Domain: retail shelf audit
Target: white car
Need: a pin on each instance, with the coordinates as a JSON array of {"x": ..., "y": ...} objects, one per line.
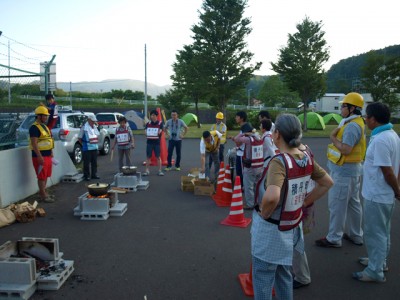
[{"x": 109, "y": 121}]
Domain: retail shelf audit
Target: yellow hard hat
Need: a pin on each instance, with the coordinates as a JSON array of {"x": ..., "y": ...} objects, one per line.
[
  {"x": 41, "y": 110},
  {"x": 354, "y": 99},
  {"x": 219, "y": 115}
]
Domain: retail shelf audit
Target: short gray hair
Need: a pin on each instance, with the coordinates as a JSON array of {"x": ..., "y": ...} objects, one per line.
[{"x": 289, "y": 127}]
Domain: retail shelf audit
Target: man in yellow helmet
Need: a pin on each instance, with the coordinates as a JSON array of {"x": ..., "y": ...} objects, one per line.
[
  {"x": 42, "y": 144},
  {"x": 345, "y": 155},
  {"x": 221, "y": 128}
]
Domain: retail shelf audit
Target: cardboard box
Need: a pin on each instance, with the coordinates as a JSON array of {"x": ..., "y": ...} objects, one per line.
[
  {"x": 187, "y": 184},
  {"x": 202, "y": 187},
  {"x": 194, "y": 172}
]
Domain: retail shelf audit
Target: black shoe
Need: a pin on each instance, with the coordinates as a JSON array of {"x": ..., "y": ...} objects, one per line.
[
  {"x": 297, "y": 285},
  {"x": 86, "y": 178},
  {"x": 95, "y": 177}
]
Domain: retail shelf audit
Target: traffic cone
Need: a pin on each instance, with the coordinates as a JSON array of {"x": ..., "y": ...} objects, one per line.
[
  {"x": 220, "y": 182},
  {"x": 226, "y": 198},
  {"x": 163, "y": 147},
  {"x": 236, "y": 214},
  {"x": 246, "y": 282}
]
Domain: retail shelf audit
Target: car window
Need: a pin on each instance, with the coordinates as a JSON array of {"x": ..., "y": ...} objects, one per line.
[
  {"x": 28, "y": 122},
  {"x": 80, "y": 120},
  {"x": 70, "y": 122},
  {"x": 5, "y": 126},
  {"x": 105, "y": 118}
]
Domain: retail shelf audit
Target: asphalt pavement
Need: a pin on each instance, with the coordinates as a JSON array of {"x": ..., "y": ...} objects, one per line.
[{"x": 170, "y": 244}]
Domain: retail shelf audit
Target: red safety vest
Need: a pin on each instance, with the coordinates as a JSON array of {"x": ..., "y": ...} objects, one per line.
[
  {"x": 256, "y": 152},
  {"x": 122, "y": 135},
  {"x": 152, "y": 130},
  {"x": 294, "y": 190}
]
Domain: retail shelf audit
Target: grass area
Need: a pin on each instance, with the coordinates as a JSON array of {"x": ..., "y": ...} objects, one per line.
[{"x": 195, "y": 132}]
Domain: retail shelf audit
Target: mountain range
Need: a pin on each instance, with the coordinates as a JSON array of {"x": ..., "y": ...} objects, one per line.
[{"x": 113, "y": 84}]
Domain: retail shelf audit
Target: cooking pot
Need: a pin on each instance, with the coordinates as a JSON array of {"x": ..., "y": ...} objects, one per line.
[
  {"x": 98, "y": 189},
  {"x": 129, "y": 170}
]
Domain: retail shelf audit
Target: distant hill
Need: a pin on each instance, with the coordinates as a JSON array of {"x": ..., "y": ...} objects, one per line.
[
  {"x": 345, "y": 75},
  {"x": 113, "y": 84}
]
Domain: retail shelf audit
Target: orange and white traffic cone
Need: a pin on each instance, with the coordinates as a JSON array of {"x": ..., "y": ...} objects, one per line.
[
  {"x": 246, "y": 282},
  {"x": 236, "y": 214},
  {"x": 226, "y": 198},
  {"x": 220, "y": 182}
]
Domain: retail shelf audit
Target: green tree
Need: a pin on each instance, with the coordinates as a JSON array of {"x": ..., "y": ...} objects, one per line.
[
  {"x": 172, "y": 99},
  {"x": 300, "y": 62},
  {"x": 187, "y": 78},
  {"x": 381, "y": 78},
  {"x": 219, "y": 42},
  {"x": 275, "y": 92}
]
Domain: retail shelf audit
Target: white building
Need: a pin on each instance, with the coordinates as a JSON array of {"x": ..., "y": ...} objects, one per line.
[{"x": 330, "y": 102}]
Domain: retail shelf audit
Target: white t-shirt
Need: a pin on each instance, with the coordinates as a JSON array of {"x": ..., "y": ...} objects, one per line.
[
  {"x": 383, "y": 151},
  {"x": 203, "y": 145}
]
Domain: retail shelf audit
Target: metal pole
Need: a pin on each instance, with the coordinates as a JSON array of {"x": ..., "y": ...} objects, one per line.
[
  {"x": 70, "y": 94},
  {"x": 9, "y": 74},
  {"x": 145, "y": 81},
  {"x": 248, "y": 97}
]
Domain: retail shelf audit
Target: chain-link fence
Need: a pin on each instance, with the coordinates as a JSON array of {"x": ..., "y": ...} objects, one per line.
[{"x": 20, "y": 74}]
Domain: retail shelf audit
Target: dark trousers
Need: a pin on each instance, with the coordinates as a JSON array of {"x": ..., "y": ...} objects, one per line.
[
  {"x": 178, "y": 146},
  {"x": 239, "y": 169},
  {"x": 89, "y": 162},
  {"x": 221, "y": 155}
]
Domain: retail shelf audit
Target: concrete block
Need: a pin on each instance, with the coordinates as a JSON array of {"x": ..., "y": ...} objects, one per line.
[
  {"x": 19, "y": 271},
  {"x": 50, "y": 243},
  {"x": 72, "y": 179},
  {"x": 54, "y": 280},
  {"x": 17, "y": 291},
  {"x": 127, "y": 182},
  {"x": 8, "y": 249},
  {"x": 94, "y": 216},
  {"x": 118, "y": 210},
  {"x": 95, "y": 205},
  {"x": 143, "y": 185}
]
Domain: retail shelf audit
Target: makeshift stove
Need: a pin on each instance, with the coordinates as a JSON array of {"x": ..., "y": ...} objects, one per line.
[
  {"x": 130, "y": 182},
  {"x": 99, "y": 207},
  {"x": 29, "y": 264}
]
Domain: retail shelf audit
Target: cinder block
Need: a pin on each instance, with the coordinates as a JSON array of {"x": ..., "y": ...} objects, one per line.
[
  {"x": 50, "y": 243},
  {"x": 56, "y": 279},
  {"x": 18, "y": 271},
  {"x": 126, "y": 182},
  {"x": 8, "y": 249},
  {"x": 95, "y": 205},
  {"x": 118, "y": 210},
  {"x": 143, "y": 185},
  {"x": 94, "y": 217},
  {"x": 73, "y": 179},
  {"x": 17, "y": 291}
]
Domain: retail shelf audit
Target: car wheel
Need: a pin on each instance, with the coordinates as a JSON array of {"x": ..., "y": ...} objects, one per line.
[
  {"x": 77, "y": 154},
  {"x": 106, "y": 147}
]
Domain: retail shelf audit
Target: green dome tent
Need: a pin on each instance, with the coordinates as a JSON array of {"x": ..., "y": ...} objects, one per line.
[
  {"x": 332, "y": 119},
  {"x": 314, "y": 121},
  {"x": 189, "y": 118}
]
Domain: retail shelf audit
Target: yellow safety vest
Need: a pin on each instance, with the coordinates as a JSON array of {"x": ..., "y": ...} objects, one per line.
[
  {"x": 218, "y": 127},
  {"x": 356, "y": 155},
  {"x": 212, "y": 147},
  {"x": 45, "y": 140}
]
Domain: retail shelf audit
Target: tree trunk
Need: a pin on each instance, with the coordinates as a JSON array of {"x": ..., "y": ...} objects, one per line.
[
  {"x": 305, "y": 115},
  {"x": 196, "y": 105}
]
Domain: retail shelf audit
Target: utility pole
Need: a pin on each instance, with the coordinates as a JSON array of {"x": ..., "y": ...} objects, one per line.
[
  {"x": 248, "y": 97},
  {"x": 145, "y": 81},
  {"x": 9, "y": 74},
  {"x": 70, "y": 94}
]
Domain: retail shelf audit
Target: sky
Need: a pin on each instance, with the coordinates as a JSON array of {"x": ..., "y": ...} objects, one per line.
[{"x": 103, "y": 39}]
